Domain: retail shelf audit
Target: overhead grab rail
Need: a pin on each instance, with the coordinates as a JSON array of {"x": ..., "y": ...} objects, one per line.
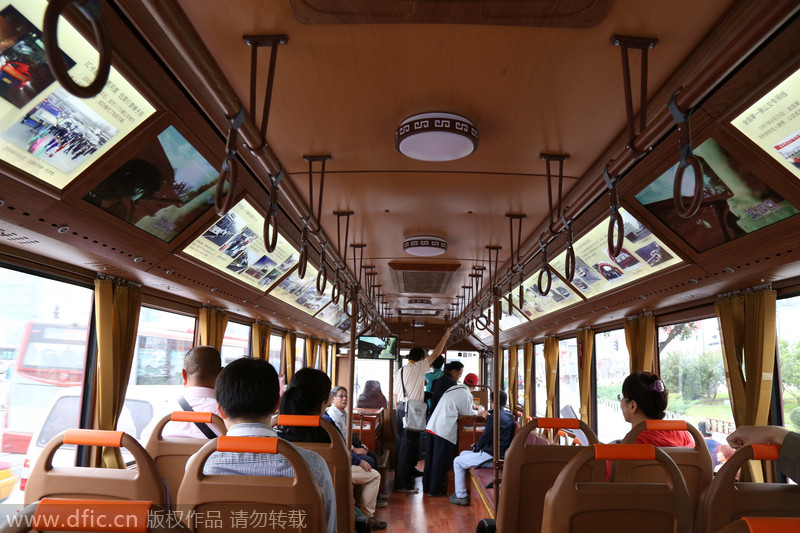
[
  {"x": 92, "y": 10},
  {"x": 351, "y": 306},
  {"x": 687, "y": 159},
  {"x": 341, "y": 249},
  {"x": 550, "y": 158},
  {"x": 255, "y": 42},
  {"x": 223, "y": 201},
  {"x": 643, "y": 44}
]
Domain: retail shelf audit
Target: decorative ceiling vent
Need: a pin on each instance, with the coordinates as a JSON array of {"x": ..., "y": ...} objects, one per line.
[
  {"x": 419, "y": 301},
  {"x": 418, "y": 312},
  {"x": 422, "y": 278},
  {"x": 536, "y": 13}
]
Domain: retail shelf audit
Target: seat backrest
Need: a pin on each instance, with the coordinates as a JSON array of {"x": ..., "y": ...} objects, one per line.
[
  {"x": 529, "y": 470},
  {"x": 576, "y": 507},
  {"x": 763, "y": 524},
  {"x": 694, "y": 463},
  {"x": 142, "y": 483},
  {"x": 338, "y": 460},
  {"x": 727, "y": 500},
  {"x": 170, "y": 454},
  {"x": 62, "y": 514},
  {"x": 288, "y": 503}
]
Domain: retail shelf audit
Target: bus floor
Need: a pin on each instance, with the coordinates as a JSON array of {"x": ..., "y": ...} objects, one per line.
[{"x": 412, "y": 513}]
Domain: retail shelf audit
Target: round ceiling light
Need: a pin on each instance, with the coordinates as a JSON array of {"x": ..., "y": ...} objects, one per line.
[
  {"x": 425, "y": 246},
  {"x": 436, "y": 137}
]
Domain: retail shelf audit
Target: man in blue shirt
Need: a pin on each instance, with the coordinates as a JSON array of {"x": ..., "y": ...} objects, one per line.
[{"x": 483, "y": 450}]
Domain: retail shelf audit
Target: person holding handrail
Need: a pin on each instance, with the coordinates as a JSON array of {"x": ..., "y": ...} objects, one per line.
[{"x": 789, "y": 458}]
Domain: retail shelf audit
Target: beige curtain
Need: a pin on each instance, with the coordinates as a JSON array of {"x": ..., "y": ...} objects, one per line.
[
  {"x": 117, "y": 308},
  {"x": 311, "y": 355},
  {"x": 640, "y": 336},
  {"x": 585, "y": 348},
  {"x": 261, "y": 335},
  {"x": 323, "y": 353},
  {"x": 334, "y": 359},
  {"x": 551, "y": 373},
  {"x": 212, "y": 326},
  {"x": 513, "y": 401},
  {"x": 528, "y": 379},
  {"x": 747, "y": 325},
  {"x": 289, "y": 356}
]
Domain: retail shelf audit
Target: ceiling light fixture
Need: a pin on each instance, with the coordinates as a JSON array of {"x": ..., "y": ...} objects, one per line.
[
  {"x": 425, "y": 246},
  {"x": 436, "y": 137}
]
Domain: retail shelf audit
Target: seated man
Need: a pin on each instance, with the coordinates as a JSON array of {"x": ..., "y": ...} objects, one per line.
[
  {"x": 201, "y": 366},
  {"x": 482, "y": 451},
  {"x": 247, "y": 393},
  {"x": 337, "y": 415}
]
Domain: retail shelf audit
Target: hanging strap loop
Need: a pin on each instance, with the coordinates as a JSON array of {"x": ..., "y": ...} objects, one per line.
[
  {"x": 544, "y": 289},
  {"x": 223, "y": 201},
  {"x": 271, "y": 218},
  {"x": 322, "y": 275},
  {"x": 569, "y": 260},
  {"x": 615, "y": 218},
  {"x": 687, "y": 159},
  {"x": 92, "y": 10}
]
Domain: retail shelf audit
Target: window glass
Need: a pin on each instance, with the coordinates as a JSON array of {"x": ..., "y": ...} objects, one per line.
[
  {"x": 504, "y": 376},
  {"x": 540, "y": 390},
  {"x": 693, "y": 371},
  {"x": 299, "y": 353},
  {"x": 612, "y": 364},
  {"x": 789, "y": 360},
  {"x": 162, "y": 341},
  {"x": 236, "y": 342},
  {"x": 44, "y": 327},
  {"x": 568, "y": 389},
  {"x": 471, "y": 361},
  {"x": 521, "y": 375},
  {"x": 370, "y": 370},
  {"x": 275, "y": 351}
]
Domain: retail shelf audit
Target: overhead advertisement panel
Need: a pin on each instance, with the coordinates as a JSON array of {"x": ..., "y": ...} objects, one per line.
[
  {"x": 302, "y": 293},
  {"x": 235, "y": 245},
  {"x": 537, "y": 305},
  {"x": 773, "y": 123},
  {"x": 162, "y": 189},
  {"x": 45, "y": 131},
  {"x": 735, "y": 200},
  {"x": 597, "y": 272},
  {"x": 334, "y": 314}
]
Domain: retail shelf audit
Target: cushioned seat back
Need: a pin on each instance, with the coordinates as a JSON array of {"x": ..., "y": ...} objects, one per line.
[
  {"x": 279, "y": 503},
  {"x": 338, "y": 460},
  {"x": 572, "y": 506},
  {"x": 694, "y": 463},
  {"x": 170, "y": 454},
  {"x": 60, "y": 514},
  {"x": 727, "y": 500},
  {"x": 142, "y": 483},
  {"x": 529, "y": 470}
]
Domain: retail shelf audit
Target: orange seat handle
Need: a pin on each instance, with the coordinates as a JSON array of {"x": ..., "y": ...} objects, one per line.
[
  {"x": 94, "y": 437},
  {"x": 192, "y": 416},
  {"x": 299, "y": 420},
  {"x": 248, "y": 444},
  {"x": 65, "y": 514},
  {"x": 764, "y": 524},
  {"x": 665, "y": 425},
  {"x": 766, "y": 452},
  {"x": 555, "y": 423},
  {"x": 630, "y": 452}
]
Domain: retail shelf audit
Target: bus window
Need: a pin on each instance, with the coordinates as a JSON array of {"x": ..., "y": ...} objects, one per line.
[
  {"x": 521, "y": 375},
  {"x": 540, "y": 390},
  {"x": 275, "y": 350},
  {"x": 162, "y": 341},
  {"x": 568, "y": 391},
  {"x": 612, "y": 365},
  {"x": 236, "y": 342},
  {"x": 299, "y": 353},
  {"x": 690, "y": 357},
  {"x": 788, "y": 311},
  {"x": 44, "y": 326},
  {"x": 370, "y": 369},
  {"x": 504, "y": 376}
]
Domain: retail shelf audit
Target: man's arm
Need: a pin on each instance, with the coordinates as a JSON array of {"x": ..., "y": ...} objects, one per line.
[
  {"x": 438, "y": 348},
  {"x": 745, "y": 435}
]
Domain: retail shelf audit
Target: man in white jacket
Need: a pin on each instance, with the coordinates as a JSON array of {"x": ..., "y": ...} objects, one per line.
[{"x": 443, "y": 427}]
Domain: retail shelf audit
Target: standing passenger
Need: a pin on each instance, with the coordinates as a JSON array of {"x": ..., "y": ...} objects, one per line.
[
  {"x": 412, "y": 376},
  {"x": 443, "y": 429},
  {"x": 247, "y": 393},
  {"x": 452, "y": 373}
]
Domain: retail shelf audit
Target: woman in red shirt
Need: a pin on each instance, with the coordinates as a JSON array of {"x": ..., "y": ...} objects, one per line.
[{"x": 644, "y": 397}]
